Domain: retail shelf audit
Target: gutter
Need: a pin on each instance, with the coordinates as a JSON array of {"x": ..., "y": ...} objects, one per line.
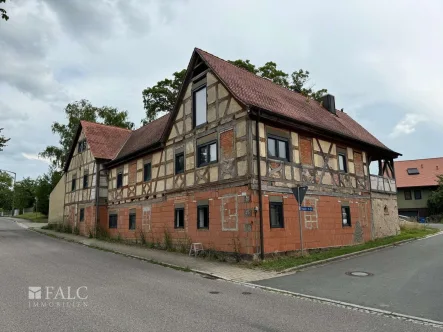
[{"x": 260, "y": 194}]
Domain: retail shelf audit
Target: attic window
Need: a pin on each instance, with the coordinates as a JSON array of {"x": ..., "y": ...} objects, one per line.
[
  {"x": 413, "y": 171},
  {"x": 81, "y": 146}
]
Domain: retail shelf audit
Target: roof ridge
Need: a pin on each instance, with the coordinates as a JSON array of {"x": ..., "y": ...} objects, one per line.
[
  {"x": 168, "y": 113},
  {"x": 399, "y": 161},
  {"x": 255, "y": 75},
  {"x": 105, "y": 125}
]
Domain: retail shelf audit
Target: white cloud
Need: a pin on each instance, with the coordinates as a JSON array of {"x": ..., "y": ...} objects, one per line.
[
  {"x": 407, "y": 125},
  {"x": 36, "y": 157}
]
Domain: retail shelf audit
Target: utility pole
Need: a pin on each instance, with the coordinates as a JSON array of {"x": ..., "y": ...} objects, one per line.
[{"x": 13, "y": 189}]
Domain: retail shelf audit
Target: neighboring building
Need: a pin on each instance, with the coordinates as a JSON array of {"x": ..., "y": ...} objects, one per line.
[
  {"x": 224, "y": 161},
  {"x": 56, "y": 201},
  {"x": 416, "y": 179}
]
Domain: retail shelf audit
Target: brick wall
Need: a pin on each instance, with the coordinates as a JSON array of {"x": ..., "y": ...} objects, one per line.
[
  {"x": 306, "y": 151},
  {"x": 227, "y": 144}
]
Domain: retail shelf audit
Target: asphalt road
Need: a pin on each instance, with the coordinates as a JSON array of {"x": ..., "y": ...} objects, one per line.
[
  {"x": 407, "y": 279},
  {"x": 125, "y": 294}
]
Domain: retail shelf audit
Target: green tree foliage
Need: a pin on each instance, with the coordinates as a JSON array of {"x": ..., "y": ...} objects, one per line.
[
  {"x": 161, "y": 97},
  {"x": 3, "y": 140},
  {"x": 24, "y": 194},
  {"x": 43, "y": 187},
  {"x": 81, "y": 110},
  {"x": 5, "y": 191},
  {"x": 3, "y": 12},
  {"x": 435, "y": 201}
]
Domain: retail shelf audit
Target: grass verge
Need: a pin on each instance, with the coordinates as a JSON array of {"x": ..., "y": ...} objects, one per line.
[
  {"x": 285, "y": 262},
  {"x": 33, "y": 216}
]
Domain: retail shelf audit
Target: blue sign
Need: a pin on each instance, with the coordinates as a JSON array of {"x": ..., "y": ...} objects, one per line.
[{"x": 306, "y": 208}]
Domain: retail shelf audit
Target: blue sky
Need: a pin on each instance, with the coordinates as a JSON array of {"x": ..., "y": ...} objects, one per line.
[{"x": 381, "y": 60}]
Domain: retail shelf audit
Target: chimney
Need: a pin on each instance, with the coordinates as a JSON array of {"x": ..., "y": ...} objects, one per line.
[{"x": 328, "y": 102}]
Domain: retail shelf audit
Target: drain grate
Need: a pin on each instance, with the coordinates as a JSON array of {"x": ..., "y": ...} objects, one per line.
[
  {"x": 359, "y": 274},
  {"x": 214, "y": 292},
  {"x": 246, "y": 293}
]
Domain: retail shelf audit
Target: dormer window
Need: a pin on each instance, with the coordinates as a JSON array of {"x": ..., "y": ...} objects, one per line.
[{"x": 413, "y": 171}]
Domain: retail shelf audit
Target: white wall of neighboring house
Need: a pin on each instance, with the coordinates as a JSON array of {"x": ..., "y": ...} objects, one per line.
[{"x": 56, "y": 202}]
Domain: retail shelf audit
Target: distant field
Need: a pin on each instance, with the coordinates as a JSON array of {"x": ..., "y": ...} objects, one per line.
[{"x": 33, "y": 216}]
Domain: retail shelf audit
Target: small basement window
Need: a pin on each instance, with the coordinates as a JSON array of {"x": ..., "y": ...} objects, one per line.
[
  {"x": 207, "y": 154},
  {"x": 346, "y": 216},
  {"x": 278, "y": 148},
  {"x": 413, "y": 171}
]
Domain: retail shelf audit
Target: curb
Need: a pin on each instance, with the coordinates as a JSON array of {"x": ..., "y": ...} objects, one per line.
[
  {"x": 345, "y": 305},
  {"x": 357, "y": 253}
]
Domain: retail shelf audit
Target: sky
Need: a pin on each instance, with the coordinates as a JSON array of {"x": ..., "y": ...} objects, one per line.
[{"x": 380, "y": 59}]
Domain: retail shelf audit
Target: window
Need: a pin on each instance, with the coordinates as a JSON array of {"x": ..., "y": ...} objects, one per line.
[
  {"x": 179, "y": 221},
  {"x": 346, "y": 216},
  {"x": 112, "y": 221},
  {"x": 278, "y": 148},
  {"x": 417, "y": 194},
  {"x": 85, "y": 180},
  {"x": 203, "y": 216},
  {"x": 119, "y": 178},
  {"x": 276, "y": 214},
  {"x": 74, "y": 182},
  {"x": 413, "y": 171},
  {"x": 147, "y": 172},
  {"x": 132, "y": 219},
  {"x": 82, "y": 214},
  {"x": 207, "y": 154},
  {"x": 179, "y": 163},
  {"x": 81, "y": 146},
  {"x": 342, "y": 164},
  {"x": 200, "y": 106},
  {"x": 408, "y": 195}
]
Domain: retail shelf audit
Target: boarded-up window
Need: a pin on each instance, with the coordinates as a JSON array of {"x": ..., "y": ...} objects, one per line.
[
  {"x": 132, "y": 172},
  {"x": 358, "y": 162},
  {"x": 306, "y": 151}
]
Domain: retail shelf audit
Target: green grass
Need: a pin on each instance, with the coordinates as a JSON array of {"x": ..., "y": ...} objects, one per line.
[
  {"x": 34, "y": 217},
  {"x": 285, "y": 262}
]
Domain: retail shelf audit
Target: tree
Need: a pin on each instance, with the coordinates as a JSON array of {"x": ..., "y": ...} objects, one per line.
[
  {"x": 161, "y": 97},
  {"x": 43, "y": 187},
  {"x": 435, "y": 200},
  {"x": 3, "y": 140},
  {"x": 5, "y": 191},
  {"x": 3, "y": 12},
  {"x": 81, "y": 110},
  {"x": 24, "y": 194}
]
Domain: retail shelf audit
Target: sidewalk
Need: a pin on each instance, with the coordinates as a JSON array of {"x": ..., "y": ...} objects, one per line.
[{"x": 218, "y": 269}]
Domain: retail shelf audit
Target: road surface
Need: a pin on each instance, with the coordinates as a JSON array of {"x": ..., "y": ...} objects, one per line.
[{"x": 117, "y": 293}]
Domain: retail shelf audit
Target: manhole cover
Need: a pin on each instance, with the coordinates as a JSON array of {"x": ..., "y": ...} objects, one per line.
[
  {"x": 359, "y": 274},
  {"x": 246, "y": 293},
  {"x": 214, "y": 292}
]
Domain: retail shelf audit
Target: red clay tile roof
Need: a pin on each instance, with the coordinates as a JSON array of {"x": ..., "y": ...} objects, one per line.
[
  {"x": 428, "y": 168},
  {"x": 144, "y": 136},
  {"x": 253, "y": 90},
  {"x": 104, "y": 141}
]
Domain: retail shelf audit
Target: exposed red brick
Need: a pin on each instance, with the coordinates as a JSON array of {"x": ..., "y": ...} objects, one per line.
[
  {"x": 227, "y": 144},
  {"x": 358, "y": 163},
  {"x": 306, "y": 151}
]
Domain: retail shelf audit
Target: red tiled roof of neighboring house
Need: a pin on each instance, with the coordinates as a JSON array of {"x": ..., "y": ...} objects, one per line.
[
  {"x": 104, "y": 141},
  {"x": 428, "y": 170},
  {"x": 144, "y": 136},
  {"x": 253, "y": 90}
]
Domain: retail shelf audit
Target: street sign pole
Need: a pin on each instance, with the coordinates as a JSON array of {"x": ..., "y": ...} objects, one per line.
[{"x": 299, "y": 220}]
